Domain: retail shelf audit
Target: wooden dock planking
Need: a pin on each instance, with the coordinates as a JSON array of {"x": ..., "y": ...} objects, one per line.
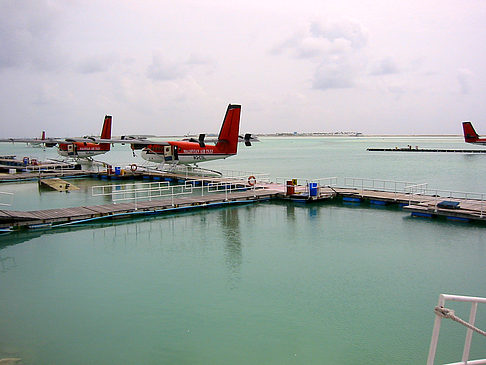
[
  {"x": 468, "y": 208},
  {"x": 19, "y": 219},
  {"x": 26, "y": 176},
  {"x": 58, "y": 184},
  {"x": 448, "y": 150}
]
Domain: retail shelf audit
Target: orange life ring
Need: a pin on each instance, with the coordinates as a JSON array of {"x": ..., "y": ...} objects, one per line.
[
  {"x": 133, "y": 167},
  {"x": 251, "y": 180}
]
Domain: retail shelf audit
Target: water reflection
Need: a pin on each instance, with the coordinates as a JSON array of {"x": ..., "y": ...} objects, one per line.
[
  {"x": 291, "y": 212},
  {"x": 7, "y": 263},
  {"x": 230, "y": 227}
]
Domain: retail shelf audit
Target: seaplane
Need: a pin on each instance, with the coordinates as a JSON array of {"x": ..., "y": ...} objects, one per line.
[
  {"x": 86, "y": 147},
  {"x": 190, "y": 151},
  {"x": 77, "y": 148},
  {"x": 470, "y": 135},
  {"x": 40, "y": 142}
]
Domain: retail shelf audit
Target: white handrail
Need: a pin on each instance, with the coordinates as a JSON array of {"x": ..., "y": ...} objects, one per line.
[
  {"x": 163, "y": 189},
  {"x": 472, "y": 318}
]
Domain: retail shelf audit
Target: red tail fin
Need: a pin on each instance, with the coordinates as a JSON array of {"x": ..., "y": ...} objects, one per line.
[
  {"x": 470, "y": 134},
  {"x": 228, "y": 136},
  {"x": 106, "y": 132}
]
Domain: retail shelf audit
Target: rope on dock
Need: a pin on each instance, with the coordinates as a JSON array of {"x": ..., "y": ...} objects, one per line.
[{"x": 449, "y": 313}]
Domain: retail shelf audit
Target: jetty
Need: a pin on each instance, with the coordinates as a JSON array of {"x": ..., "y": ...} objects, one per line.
[
  {"x": 67, "y": 216},
  {"x": 170, "y": 192},
  {"x": 417, "y": 149}
]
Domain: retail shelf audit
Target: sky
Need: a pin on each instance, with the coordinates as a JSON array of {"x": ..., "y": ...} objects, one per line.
[{"x": 172, "y": 67}]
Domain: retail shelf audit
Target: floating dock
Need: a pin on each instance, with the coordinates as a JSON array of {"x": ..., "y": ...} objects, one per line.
[
  {"x": 57, "y": 184},
  {"x": 416, "y": 149},
  {"x": 67, "y": 216},
  {"x": 417, "y": 199}
]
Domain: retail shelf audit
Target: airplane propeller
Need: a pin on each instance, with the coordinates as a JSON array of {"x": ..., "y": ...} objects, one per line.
[
  {"x": 201, "y": 140},
  {"x": 247, "y": 139}
]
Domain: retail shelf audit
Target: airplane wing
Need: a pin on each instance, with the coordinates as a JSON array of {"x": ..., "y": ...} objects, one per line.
[
  {"x": 135, "y": 141},
  {"x": 32, "y": 140}
]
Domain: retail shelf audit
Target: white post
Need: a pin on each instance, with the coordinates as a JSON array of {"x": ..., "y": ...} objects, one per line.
[
  {"x": 435, "y": 334},
  {"x": 469, "y": 333}
]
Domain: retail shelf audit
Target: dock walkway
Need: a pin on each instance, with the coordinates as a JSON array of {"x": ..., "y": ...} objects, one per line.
[
  {"x": 63, "y": 216},
  {"x": 233, "y": 191}
]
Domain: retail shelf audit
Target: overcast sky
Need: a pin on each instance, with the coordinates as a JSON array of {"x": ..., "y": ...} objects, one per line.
[{"x": 172, "y": 67}]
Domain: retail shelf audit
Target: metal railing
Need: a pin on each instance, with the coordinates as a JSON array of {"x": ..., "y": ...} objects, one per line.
[
  {"x": 477, "y": 201},
  {"x": 378, "y": 184},
  {"x": 6, "y": 199},
  {"x": 303, "y": 184},
  {"x": 472, "y": 318},
  {"x": 160, "y": 190}
]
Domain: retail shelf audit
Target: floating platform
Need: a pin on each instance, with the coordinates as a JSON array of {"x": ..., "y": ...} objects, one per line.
[
  {"x": 415, "y": 149},
  {"x": 9, "y": 163},
  {"x": 67, "y": 216},
  {"x": 58, "y": 184},
  {"x": 236, "y": 191}
]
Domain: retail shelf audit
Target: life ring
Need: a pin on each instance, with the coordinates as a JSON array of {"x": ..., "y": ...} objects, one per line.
[
  {"x": 251, "y": 180},
  {"x": 133, "y": 167}
]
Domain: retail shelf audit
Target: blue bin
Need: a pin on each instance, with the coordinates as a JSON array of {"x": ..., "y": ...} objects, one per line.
[
  {"x": 312, "y": 189},
  {"x": 117, "y": 170}
]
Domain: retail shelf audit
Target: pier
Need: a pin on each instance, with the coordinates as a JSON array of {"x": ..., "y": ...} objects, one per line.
[
  {"x": 169, "y": 192},
  {"x": 76, "y": 215},
  {"x": 417, "y": 149}
]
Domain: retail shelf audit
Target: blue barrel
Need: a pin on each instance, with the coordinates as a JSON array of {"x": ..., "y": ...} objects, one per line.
[
  {"x": 313, "y": 189},
  {"x": 117, "y": 170}
]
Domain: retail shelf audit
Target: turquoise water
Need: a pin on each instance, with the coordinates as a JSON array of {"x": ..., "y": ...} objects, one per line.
[{"x": 269, "y": 283}]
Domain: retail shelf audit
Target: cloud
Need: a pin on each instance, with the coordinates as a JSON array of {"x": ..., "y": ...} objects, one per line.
[
  {"x": 334, "y": 48},
  {"x": 95, "y": 64},
  {"x": 320, "y": 39},
  {"x": 336, "y": 32},
  {"x": 162, "y": 69},
  {"x": 464, "y": 77},
  {"x": 334, "y": 73},
  {"x": 385, "y": 66},
  {"x": 27, "y": 34}
]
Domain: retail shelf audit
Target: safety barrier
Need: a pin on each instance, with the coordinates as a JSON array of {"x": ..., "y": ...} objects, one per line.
[
  {"x": 163, "y": 189},
  {"x": 442, "y": 312}
]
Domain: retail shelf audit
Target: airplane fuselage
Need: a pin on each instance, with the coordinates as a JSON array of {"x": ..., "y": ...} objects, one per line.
[
  {"x": 183, "y": 153},
  {"x": 82, "y": 150},
  {"x": 481, "y": 142}
]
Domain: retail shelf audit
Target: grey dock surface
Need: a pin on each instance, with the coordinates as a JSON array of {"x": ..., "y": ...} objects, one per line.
[
  {"x": 417, "y": 204},
  {"x": 62, "y": 216},
  {"x": 425, "y": 150},
  {"x": 57, "y": 184}
]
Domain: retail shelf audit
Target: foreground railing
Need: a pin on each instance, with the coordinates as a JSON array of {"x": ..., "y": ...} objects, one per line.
[{"x": 442, "y": 312}]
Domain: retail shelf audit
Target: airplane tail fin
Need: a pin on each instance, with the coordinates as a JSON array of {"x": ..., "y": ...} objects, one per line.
[
  {"x": 470, "y": 134},
  {"x": 228, "y": 136},
  {"x": 106, "y": 131}
]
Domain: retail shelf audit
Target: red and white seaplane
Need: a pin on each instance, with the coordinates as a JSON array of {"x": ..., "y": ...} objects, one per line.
[
  {"x": 86, "y": 147},
  {"x": 191, "y": 151},
  {"x": 470, "y": 135},
  {"x": 83, "y": 147}
]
